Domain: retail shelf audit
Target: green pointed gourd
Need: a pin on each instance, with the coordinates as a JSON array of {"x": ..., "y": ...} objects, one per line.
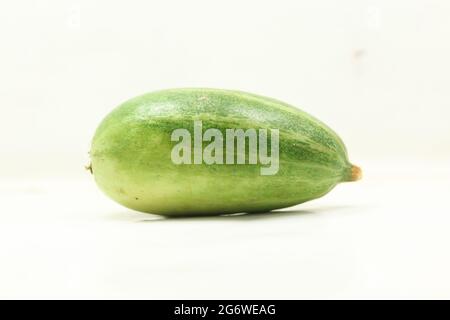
[{"x": 140, "y": 160}]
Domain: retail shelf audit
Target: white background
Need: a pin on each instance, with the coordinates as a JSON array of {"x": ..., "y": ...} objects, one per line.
[{"x": 377, "y": 72}]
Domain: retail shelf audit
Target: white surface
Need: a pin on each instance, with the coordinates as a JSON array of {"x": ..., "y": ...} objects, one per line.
[
  {"x": 384, "y": 237},
  {"x": 376, "y": 71}
]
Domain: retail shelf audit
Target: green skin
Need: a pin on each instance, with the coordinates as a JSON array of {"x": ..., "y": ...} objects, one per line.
[{"x": 131, "y": 155}]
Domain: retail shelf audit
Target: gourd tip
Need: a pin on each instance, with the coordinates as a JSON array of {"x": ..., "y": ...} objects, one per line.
[
  {"x": 356, "y": 173},
  {"x": 89, "y": 168}
]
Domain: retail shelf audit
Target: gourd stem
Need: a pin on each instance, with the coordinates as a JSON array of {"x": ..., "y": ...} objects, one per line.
[{"x": 356, "y": 173}]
